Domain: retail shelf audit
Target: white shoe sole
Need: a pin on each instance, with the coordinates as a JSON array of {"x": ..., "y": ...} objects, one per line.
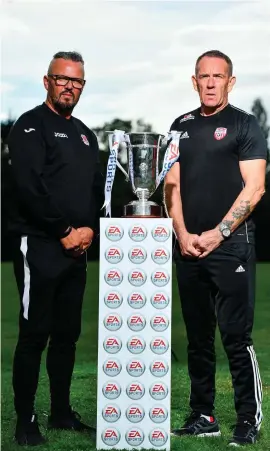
[
  {"x": 209, "y": 434},
  {"x": 205, "y": 434}
]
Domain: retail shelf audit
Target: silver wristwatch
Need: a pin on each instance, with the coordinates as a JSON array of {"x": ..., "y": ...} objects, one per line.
[{"x": 224, "y": 230}]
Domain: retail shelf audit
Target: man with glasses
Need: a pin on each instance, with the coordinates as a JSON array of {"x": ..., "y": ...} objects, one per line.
[{"x": 56, "y": 193}]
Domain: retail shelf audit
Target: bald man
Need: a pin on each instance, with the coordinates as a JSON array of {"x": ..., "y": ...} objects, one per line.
[{"x": 56, "y": 181}]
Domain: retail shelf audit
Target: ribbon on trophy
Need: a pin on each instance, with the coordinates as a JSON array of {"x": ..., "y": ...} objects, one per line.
[
  {"x": 130, "y": 164},
  {"x": 171, "y": 141},
  {"x": 115, "y": 140}
]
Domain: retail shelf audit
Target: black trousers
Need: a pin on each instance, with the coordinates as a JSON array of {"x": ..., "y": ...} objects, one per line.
[
  {"x": 51, "y": 287},
  {"x": 221, "y": 289}
]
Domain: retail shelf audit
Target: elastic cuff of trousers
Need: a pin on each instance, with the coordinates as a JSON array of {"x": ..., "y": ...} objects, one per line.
[
  {"x": 24, "y": 415},
  {"x": 60, "y": 411},
  {"x": 250, "y": 418},
  {"x": 203, "y": 411}
]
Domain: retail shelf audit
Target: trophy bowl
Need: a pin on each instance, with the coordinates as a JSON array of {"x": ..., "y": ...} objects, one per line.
[
  {"x": 143, "y": 169},
  {"x": 149, "y": 157}
]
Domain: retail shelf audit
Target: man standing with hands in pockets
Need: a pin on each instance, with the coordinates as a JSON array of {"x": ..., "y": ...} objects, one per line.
[
  {"x": 56, "y": 197},
  {"x": 210, "y": 193}
]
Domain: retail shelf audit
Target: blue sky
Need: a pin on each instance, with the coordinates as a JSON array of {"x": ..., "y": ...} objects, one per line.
[{"x": 139, "y": 55}]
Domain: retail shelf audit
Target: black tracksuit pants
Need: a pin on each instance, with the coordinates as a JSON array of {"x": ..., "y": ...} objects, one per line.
[
  {"x": 51, "y": 287},
  {"x": 221, "y": 289}
]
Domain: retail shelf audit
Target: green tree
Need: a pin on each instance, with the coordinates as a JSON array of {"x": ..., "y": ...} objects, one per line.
[
  {"x": 141, "y": 126},
  {"x": 5, "y": 129},
  {"x": 120, "y": 124},
  {"x": 115, "y": 124}
]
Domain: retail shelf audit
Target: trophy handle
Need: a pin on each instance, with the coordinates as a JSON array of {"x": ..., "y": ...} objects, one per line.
[
  {"x": 171, "y": 155},
  {"x": 163, "y": 142},
  {"x": 123, "y": 170},
  {"x": 117, "y": 161},
  {"x": 157, "y": 158}
]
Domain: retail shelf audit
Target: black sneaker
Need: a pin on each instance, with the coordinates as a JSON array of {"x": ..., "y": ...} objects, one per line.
[
  {"x": 244, "y": 433},
  {"x": 199, "y": 425},
  {"x": 72, "y": 421},
  {"x": 27, "y": 432}
]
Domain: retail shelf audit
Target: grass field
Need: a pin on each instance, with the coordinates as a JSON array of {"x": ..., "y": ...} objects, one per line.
[{"x": 85, "y": 377}]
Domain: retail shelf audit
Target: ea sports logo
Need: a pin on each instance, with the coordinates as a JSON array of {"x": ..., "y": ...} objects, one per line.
[
  {"x": 137, "y": 277},
  {"x": 113, "y": 299},
  {"x": 112, "y": 322},
  {"x": 112, "y": 345},
  {"x": 111, "y": 436},
  {"x": 160, "y": 277},
  {"x": 135, "y": 413},
  {"x": 160, "y": 255},
  {"x": 160, "y": 233},
  {"x": 158, "y": 437},
  {"x": 159, "y": 368},
  {"x": 114, "y": 254},
  {"x": 136, "y": 299},
  {"x": 135, "y": 390},
  {"x": 159, "y": 345},
  {"x": 111, "y": 390},
  {"x": 113, "y": 277},
  {"x": 158, "y": 391},
  {"x": 136, "y": 345},
  {"x": 114, "y": 232},
  {"x": 137, "y": 254},
  {"x": 158, "y": 414},
  {"x": 111, "y": 413},
  {"x": 136, "y": 322},
  {"x": 137, "y": 232},
  {"x": 112, "y": 367},
  {"x": 135, "y": 367},
  {"x": 159, "y": 323},
  {"x": 160, "y": 300},
  {"x": 134, "y": 437}
]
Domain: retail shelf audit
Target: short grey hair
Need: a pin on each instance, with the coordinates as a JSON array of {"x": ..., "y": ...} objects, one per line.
[
  {"x": 71, "y": 56},
  {"x": 215, "y": 54}
]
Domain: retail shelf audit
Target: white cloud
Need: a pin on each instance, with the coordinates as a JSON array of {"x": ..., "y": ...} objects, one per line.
[
  {"x": 6, "y": 87},
  {"x": 11, "y": 25},
  {"x": 3, "y": 116},
  {"x": 139, "y": 55}
]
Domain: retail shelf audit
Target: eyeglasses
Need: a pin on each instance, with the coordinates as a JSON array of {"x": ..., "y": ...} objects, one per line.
[{"x": 62, "y": 80}]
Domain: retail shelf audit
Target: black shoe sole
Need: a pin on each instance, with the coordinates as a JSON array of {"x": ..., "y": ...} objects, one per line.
[
  {"x": 26, "y": 442},
  {"x": 90, "y": 429}
]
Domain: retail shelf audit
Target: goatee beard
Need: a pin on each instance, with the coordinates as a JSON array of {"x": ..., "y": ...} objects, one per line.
[{"x": 63, "y": 107}]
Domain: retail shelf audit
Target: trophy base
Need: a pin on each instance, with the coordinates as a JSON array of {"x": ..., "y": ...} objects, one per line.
[{"x": 139, "y": 208}]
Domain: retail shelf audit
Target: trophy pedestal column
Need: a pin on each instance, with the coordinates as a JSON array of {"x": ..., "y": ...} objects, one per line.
[
  {"x": 143, "y": 209},
  {"x": 135, "y": 293}
]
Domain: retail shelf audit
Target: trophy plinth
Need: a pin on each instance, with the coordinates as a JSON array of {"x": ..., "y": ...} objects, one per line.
[{"x": 143, "y": 207}]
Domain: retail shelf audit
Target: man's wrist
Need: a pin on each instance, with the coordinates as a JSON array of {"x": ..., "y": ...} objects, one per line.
[
  {"x": 219, "y": 233},
  {"x": 67, "y": 232},
  {"x": 224, "y": 230},
  {"x": 182, "y": 234}
]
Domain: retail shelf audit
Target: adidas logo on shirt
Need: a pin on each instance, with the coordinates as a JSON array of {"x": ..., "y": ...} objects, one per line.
[
  {"x": 185, "y": 135},
  {"x": 240, "y": 269}
]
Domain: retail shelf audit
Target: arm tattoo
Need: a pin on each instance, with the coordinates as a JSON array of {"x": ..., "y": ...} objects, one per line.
[
  {"x": 241, "y": 211},
  {"x": 228, "y": 223}
]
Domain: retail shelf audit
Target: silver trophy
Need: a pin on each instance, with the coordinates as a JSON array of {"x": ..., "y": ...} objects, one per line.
[{"x": 150, "y": 156}]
